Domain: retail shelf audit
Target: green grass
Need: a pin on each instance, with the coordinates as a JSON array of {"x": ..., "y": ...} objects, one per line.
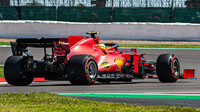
[
  {"x": 4, "y": 43},
  {"x": 1, "y": 72},
  {"x": 46, "y": 102},
  {"x": 161, "y": 46}
]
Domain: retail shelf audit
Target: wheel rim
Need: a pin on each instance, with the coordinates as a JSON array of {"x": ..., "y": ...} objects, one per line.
[
  {"x": 91, "y": 69},
  {"x": 176, "y": 68}
]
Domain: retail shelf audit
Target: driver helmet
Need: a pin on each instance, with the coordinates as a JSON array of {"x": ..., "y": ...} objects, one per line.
[{"x": 102, "y": 47}]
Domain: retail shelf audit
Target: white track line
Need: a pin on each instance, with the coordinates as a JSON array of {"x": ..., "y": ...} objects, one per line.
[
  {"x": 1, "y": 83},
  {"x": 5, "y": 46}
]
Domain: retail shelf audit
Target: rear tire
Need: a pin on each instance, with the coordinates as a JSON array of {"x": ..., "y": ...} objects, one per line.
[
  {"x": 13, "y": 72},
  {"x": 168, "y": 68},
  {"x": 82, "y": 70}
]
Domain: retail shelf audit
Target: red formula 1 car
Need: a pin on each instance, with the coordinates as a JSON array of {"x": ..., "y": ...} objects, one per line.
[{"x": 83, "y": 61}]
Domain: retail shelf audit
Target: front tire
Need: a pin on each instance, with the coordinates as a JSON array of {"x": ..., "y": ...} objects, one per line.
[
  {"x": 82, "y": 70},
  {"x": 13, "y": 72},
  {"x": 168, "y": 68}
]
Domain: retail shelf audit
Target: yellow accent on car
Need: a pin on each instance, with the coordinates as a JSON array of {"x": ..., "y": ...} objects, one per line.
[
  {"x": 119, "y": 63},
  {"x": 59, "y": 42},
  {"x": 105, "y": 64},
  {"x": 93, "y": 33}
]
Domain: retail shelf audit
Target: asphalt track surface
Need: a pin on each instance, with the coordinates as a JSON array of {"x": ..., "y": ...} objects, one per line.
[{"x": 189, "y": 59}]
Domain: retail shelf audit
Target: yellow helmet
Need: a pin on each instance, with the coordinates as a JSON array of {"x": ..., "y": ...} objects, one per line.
[{"x": 102, "y": 47}]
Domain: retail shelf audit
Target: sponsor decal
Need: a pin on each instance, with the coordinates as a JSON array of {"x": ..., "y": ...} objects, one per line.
[
  {"x": 63, "y": 43},
  {"x": 105, "y": 64},
  {"x": 119, "y": 63}
]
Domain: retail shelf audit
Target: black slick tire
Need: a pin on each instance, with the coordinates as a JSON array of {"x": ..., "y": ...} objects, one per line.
[
  {"x": 82, "y": 70},
  {"x": 13, "y": 72},
  {"x": 168, "y": 68}
]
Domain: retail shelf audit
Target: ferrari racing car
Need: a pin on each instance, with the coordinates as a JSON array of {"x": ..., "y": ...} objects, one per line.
[{"x": 83, "y": 61}]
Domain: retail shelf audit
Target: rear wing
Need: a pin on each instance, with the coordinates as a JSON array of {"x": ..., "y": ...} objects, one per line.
[{"x": 21, "y": 44}]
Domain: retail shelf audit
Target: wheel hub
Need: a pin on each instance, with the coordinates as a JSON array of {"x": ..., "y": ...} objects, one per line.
[
  {"x": 176, "y": 68},
  {"x": 91, "y": 69}
]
